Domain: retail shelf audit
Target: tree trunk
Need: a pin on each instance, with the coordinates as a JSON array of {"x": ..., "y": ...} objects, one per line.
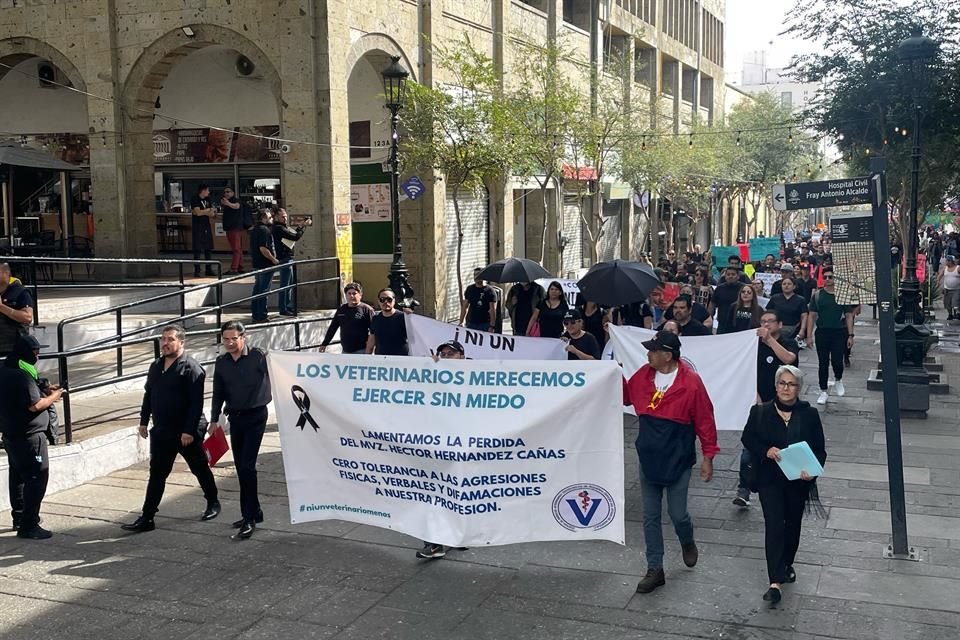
[{"x": 456, "y": 210}]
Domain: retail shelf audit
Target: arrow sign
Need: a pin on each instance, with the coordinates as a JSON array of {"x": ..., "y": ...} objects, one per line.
[
  {"x": 828, "y": 193},
  {"x": 779, "y": 197}
]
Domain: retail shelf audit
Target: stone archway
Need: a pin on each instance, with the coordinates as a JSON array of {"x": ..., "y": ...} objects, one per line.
[
  {"x": 140, "y": 89},
  {"x": 378, "y": 47},
  {"x": 15, "y": 50}
]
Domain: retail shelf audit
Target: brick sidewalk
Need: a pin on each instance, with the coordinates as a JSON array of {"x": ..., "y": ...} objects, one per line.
[{"x": 340, "y": 580}]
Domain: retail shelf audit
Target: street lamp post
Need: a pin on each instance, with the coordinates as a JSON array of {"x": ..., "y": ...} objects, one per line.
[
  {"x": 394, "y": 84},
  {"x": 913, "y": 336}
]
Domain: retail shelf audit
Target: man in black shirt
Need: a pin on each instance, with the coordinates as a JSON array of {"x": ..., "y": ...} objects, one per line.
[
  {"x": 284, "y": 238},
  {"x": 737, "y": 263},
  {"x": 25, "y": 424},
  {"x": 241, "y": 389},
  {"x": 233, "y": 227},
  {"x": 264, "y": 254},
  {"x": 16, "y": 310},
  {"x": 686, "y": 323},
  {"x": 724, "y": 296},
  {"x": 201, "y": 233},
  {"x": 786, "y": 269},
  {"x": 353, "y": 319},
  {"x": 173, "y": 397},
  {"x": 388, "y": 330},
  {"x": 479, "y": 306},
  {"x": 581, "y": 345},
  {"x": 775, "y": 350}
]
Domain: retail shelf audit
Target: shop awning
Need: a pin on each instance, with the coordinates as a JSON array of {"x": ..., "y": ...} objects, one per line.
[{"x": 27, "y": 157}]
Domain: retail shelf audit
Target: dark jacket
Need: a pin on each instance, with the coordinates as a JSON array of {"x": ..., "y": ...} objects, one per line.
[
  {"x": 667, "y": 434},
  {"x": 765, "y": 429},
  {"x": 283, "y": 232}
]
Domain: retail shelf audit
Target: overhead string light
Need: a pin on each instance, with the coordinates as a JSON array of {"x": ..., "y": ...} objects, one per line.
[
  {"x": 790, "y": 136},
  {"x": 738, "y": 137},
  {"x": 691, "y": 141}
]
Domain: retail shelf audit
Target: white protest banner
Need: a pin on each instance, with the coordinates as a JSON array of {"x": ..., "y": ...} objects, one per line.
[
  {"x": 424, "y": 335},
  {"x": 768, "y": 279},
  {"x": 570, "y": 288},
  {"x": 726, "y": 363},
  {"x": 456, "y": 452}
]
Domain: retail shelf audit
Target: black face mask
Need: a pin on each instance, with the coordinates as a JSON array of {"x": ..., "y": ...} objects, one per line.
[{"x": 28, "y": 355}]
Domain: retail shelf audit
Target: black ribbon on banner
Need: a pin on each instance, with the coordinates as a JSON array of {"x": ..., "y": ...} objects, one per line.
[{"x": 302, "y": 400}]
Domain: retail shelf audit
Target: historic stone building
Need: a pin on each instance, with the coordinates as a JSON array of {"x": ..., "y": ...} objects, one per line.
[{"x": 152, "y": 98}]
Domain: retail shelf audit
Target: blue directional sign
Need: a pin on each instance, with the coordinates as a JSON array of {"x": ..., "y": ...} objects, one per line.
[{"x": 413, "y": 187}]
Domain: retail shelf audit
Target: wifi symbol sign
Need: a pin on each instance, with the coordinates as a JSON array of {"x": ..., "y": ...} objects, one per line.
[{"x": 413, "y": 187}]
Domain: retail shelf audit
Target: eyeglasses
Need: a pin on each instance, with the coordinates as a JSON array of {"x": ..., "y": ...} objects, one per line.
[
  {"x": 787, "y": 385},
  {"x": 768, "y": 321},
  {"x": 386, "y": 299},
  {"x": 828, "y": 277},
  {"x": 566, "y": 322}
]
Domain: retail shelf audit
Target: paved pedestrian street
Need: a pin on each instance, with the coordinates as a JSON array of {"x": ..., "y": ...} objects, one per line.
[{"x": 334, "y": 579}]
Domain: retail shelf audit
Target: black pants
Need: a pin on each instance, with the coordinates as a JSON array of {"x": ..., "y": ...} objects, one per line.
[
  {"x": 246, "y": 434},
  {"x": 163, "y": 453},
  {"x": 29, "y": 471},
  {"x": 831, "y": 348},
  {"x": 783, "y": 505},
  {"x": 202, "y": 244}
]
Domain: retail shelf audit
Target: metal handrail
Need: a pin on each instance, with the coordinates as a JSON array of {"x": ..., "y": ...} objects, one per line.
[
  {"x": 119, "y": 341},
  {"x": 33, "y": 261}
]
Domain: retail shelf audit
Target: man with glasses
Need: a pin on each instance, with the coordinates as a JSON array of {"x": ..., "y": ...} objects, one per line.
[
  {"x": 241, "y": 389},
  {"x": 388, "y": 331},
  {"x": 774, "y": 351},
  {"x": 832, "y": 336},
  {"x": 233, "y": 227},
  {"x": 353, "y": 320},
  {"x": 173, "y": 398}
]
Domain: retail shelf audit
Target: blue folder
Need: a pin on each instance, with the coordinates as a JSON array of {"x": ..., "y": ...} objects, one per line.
[{"x": 799, "y": 457}]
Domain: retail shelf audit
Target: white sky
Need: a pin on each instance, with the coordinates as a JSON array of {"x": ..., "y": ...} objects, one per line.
[{"x": 754, "y": 25}]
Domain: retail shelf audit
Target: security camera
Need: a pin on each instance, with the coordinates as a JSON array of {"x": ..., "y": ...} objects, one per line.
[{"x": 284, "y": 148}]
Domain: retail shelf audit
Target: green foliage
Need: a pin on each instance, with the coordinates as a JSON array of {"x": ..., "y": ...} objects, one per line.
[{"x": 869, "y": 95}]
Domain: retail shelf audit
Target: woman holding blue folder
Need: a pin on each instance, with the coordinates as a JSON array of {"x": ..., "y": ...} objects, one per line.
[{"x": 773, "y": 426}]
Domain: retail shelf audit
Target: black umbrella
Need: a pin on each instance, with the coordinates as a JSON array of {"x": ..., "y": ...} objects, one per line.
[
  {"x": 618, "y": 282},
  {"x": 513, "y": 270}
]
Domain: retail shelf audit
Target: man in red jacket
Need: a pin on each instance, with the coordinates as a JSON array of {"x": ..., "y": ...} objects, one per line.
[{"x": 673, "y": 410}]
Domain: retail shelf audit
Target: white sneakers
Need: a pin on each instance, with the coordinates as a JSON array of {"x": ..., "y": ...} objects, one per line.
[
  {"x": 839, "y": 389},
  {"x": 823, "y": 398}
]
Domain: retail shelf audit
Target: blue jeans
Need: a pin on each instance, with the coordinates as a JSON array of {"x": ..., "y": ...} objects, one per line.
[
  {"x": 676, "y": 507},
  {"x": 261, "y": 284},
  {"x": 744, "y": 470},
  {"x": 285, "y": 298}
]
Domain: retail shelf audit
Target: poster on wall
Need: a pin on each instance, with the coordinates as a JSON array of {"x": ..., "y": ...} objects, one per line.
[
  {"x": 370, "y": 202},
  {"x": 257, "y": 144}
]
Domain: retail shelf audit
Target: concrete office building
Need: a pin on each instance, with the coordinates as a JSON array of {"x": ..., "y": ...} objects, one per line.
[{"x": 184, "y": 92}]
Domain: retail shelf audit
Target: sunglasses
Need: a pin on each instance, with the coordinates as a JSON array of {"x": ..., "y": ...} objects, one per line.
[
  {"x": 386, "y": 299},
  {"x": 566, "y": 322},
  {"x": 828, "y": 277}
]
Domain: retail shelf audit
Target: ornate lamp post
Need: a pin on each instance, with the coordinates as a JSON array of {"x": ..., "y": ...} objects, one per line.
[
  {"x": 394, "y": 83},
  {"x": 913, "y": 336}
]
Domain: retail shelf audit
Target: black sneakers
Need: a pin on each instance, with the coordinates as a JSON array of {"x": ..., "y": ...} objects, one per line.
[
  {"x": 743, "y": 498},
  {"x": 431, "y": 551},
  {"x": 37, "y": 533}
]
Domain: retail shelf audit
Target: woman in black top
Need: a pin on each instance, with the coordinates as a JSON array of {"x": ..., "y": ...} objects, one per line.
[
  {"x": 773, "y": 426},
  {"x": 791, "y": 307},
  {"x": 592, "y": 316},
  {"x": 745, "y": 314},
  {"x": 549, "y": 313}
]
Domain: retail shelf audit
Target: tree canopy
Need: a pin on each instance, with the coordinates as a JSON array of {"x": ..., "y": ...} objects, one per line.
[{"x": 867, "y": 100}]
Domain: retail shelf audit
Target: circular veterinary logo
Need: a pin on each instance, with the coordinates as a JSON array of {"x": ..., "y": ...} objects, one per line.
[
  {"x": 584, "y": 506},
  {"x": 689, "y": 362}
]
